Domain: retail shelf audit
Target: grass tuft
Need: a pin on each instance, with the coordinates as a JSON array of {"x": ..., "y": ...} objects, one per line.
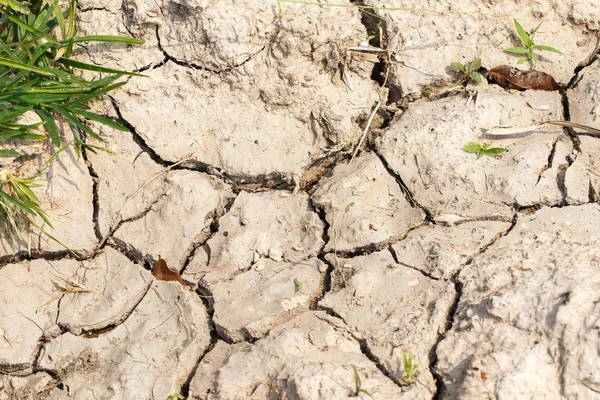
[{"x": 37, "y": 74}]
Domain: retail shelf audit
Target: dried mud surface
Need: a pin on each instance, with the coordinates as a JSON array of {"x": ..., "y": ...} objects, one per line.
[{"x": 304, "y": 267}]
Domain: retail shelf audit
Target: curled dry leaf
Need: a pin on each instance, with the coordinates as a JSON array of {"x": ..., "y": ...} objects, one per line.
[
  {"x": 162, "y": 272},
  {"x": 512, "y": 78}
]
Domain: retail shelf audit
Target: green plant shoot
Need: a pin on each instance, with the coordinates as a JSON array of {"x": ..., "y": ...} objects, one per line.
[
  {"x": 483, "y": 149},
  {"x": 358, "y": 384},
  {"x": 468, "y": 71},
  {"x": 409, "y": 369},
  {"x": 528, "y": 45}
]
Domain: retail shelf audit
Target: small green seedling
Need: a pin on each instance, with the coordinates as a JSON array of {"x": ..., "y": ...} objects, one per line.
[
  {"x": 175, "y": 396},
  {"x": 185, "y": 343},
  {"x": 409, "y": 369},
  {"x": 357, "y": 384},
  {"x": 298, "y": 285},
  {"x": 376, "y": 36},
  {"x": 468, "y": 70},
  {"x": 528, "y": 45},
  {"x": 483, "y": 149}
]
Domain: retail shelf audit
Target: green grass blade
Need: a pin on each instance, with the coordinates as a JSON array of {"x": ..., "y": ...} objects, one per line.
[
  {"x": 90, "y": 67},
  {"x": 42, "y": 98},
  {"x": 71, "y": 28},
  {"x": 546, "y": 48},
  {"x": 100, "y": 118},
  {"x": 9, "y": 153},
  {"x": 40, "y": 52},
  {"x": 108, "y": 39},
  {"x": 60, "y": 19},
  {"x": 494, "y": 150},
  {"x": 27, "y": 193},
  {"x": 24, "y": 136},
  {"x": 93, "y": 148},
  {"x": 97, "y": 93},
  {"x": 28, "y": 27},
  {"x": 517, "y": 50},
  {"x": 522, "y": 34},
  {"x": 15, "y": 64},
  {"x": 20, "y": 6},
  {"x": 535, "y": 30},
  {"x": 357, "y": 381},
  {"x": 56, "y": 154},
  {"x": 42, "y": 19},
  {"x": 9, "y": 199},
  {"x": 50, "y": 125},
  {"x": 66, "y": 114}
]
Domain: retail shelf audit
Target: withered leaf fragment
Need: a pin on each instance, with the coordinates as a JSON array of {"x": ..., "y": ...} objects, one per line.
[
  {"x": 162, "y": 272},
  {"x": 512, "y": 78}
]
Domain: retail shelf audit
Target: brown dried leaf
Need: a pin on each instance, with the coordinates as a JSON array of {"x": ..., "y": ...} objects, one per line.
[
  {"x": 512, "y": 78},
  {"x": 162, "y": 272}
]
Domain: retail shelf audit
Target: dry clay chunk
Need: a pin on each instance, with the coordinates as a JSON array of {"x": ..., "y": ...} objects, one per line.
[
  {"x": 115, "y": 286},
  {"x": 129, "y": 182},
  {"x": 584, "y": 98},
  {"x": 528, "y": 318},
  {"x": 29, "y": 308},
  {"x": 364, "y": 205},
  {"x": 424, "y": 147},
  {"x": 277, "y": 225},
  {"x": 182, "y": 113},
  {"x": 439, "y": 251},
  {"x": 178, "y": 218},
  {"x": 396, "y": 309},
  {"x": 216, "y": 35},
  {"x": 252, "y": 303},
  {"x": 220, "y": 35},
  {"x": 582, "y": 178},
  {"x": 284, "y": 75},
  {"x": 66, "y": 196},
  {"x": 307, "y": 358},
  {"x": 149, "y": 356},
  {"x": 31, "y": 387},
  {"x": 202, "y": 384},
  {"x": 469, "y": 29}
]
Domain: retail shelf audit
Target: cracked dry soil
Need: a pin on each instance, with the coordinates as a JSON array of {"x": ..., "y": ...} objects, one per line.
[{"x": 298, "y": 264}]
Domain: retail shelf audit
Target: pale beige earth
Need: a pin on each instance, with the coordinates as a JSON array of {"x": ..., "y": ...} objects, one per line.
[{"x": 300, "y": 264}]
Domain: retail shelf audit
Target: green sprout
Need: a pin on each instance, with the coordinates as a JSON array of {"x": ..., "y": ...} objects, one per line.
[
  {"x": 175, "y": 396},
  {"x": 358, "y": 384},
  {"x": 528, "y": 45},
  {"x": 468, "y": 70},
  {"x": 298, "y": 285},
  {"x": 409, "y": 369},
  {"x": 377, "y": 36},
  {"x": 483, "y": 149}
]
